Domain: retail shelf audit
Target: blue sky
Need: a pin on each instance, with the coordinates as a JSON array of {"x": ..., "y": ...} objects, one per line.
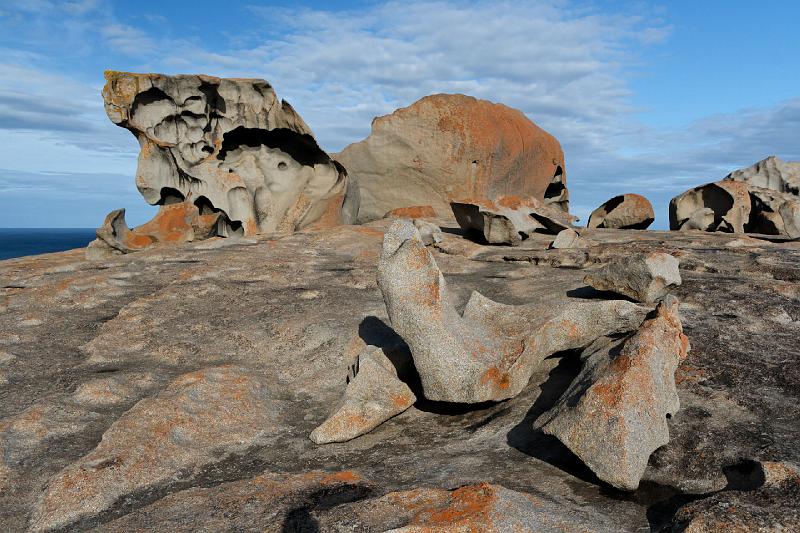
[{"x": 645, "y": 97}]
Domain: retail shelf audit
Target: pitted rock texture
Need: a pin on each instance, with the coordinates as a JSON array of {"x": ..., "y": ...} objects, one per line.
[
  {"x": 770, "y": 173},
  {"x": 449, "y": 146},
  {"x": 614, "y": 415},
  {"x": 642, "y": 277},
  {"x": 510, "y": 219},
  {"x": 489, "y": 352},
  {"x": 229, "y": 146},
  {"x": 295, "y": 311},
  {"x": 626, "y": 211},
  {"x": 373, "y": 396}
]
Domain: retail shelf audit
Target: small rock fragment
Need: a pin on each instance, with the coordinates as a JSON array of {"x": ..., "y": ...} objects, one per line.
[
  {"x": 627, "y": 211},
  {"x": 509, "y": 219},
  {"x": 614, "y": 414},
  {"x": 642, "y": 277},
  {"x": 371, "y": 398}
]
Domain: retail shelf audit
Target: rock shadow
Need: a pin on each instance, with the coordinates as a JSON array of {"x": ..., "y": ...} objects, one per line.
[
  {"x": 590, "y": 293},
  {"x": 547, "y": 448}
]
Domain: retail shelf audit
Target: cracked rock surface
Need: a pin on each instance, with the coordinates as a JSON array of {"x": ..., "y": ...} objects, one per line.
[{"x": 284, "y": 317}]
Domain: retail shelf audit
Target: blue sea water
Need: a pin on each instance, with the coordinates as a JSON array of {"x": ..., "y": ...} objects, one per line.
[{"x": 17, "y": 242}]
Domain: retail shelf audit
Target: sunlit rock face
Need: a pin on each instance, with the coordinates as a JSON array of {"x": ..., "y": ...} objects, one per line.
[{"x": 229, "y": 146}]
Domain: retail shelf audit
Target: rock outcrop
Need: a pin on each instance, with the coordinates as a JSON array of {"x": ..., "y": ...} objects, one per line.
[
  {"x": 763, "y": 198},
  {"x": 450, "y": 146},
  {"x": 87, "y": 349},
  {"x": 490, "y": 351},
  {"x": 228, "y": 146},
  {"x": 568, "y": 238},
  {"x": 627, "y": 211},
  {"x": 770, "y": 173},
  {"x": 642, "y": 277},
  {"x": 722, "y": 206},
  {"x": 373, "y": 396},
  {"x": 614, "y": 415},
  {"x": 510, "y": 219}
]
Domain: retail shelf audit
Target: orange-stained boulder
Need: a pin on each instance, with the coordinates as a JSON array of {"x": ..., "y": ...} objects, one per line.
[
  {"x": 173, "y": 224},
  {"x": 449, "y": 146},
  {"x": 626, "y": 211}
]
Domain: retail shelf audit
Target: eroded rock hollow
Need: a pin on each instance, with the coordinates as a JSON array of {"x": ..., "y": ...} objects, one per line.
[{"x": 228, "y": 146}]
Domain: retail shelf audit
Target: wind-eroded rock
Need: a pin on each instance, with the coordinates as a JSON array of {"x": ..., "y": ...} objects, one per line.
[
  {"x": 174, "y": 224},
  {"x": 510, "y": 219},
  {"x": 490, "y": 351},
  {"x": 200, "y": 418},
  {"x": 229, "y": 146},
  {"x": 373, "y": 396},
  {"x": 770, "y": 173},
  {"x": 643, "y": 277},
  {"x": 627, "y": 211},
  {"x": 568, "y": 238},
  {"x": 449, "y": 146},
  {"x": 614, "y": 415},
  {"x": 722, "y": 206}
]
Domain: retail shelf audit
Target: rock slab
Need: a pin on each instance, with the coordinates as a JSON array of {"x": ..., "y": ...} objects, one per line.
[{"x": 642, "y": 277}]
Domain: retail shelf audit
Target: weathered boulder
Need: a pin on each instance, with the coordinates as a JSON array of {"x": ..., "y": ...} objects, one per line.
[
  {"x": 642, "y": 277},
  {"x": 199, "y": 419},
  {"x": 770, "y": 173},
  {"x": 736, "y": 207},
  {"x": 614, "y": 414},
  {"x": 228, "y": 146},
  {"x": 490, "y": 351},
  {"x": 373, "y": 396},
  {"x": 627, "y": 211},
  {"x": 450, "y": 146},
  {"x": 510, "y": 219},
  {"x": 568, "y": 238},
  {"x": 729, "y": 202},
  {"x": 173, "y": 224}
]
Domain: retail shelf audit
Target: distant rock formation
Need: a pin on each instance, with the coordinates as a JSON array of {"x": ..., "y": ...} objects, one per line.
[
  {"x": 450, "y": 146},
  {"x": 762, "y": 198},
  {"x": 510, "y": 219},
  {"x": 626, "y": 211},
  {"x": 228, "y": 146}
]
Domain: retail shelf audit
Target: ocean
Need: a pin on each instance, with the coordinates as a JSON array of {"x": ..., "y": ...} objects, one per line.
[{"x": 17, "y": 242}]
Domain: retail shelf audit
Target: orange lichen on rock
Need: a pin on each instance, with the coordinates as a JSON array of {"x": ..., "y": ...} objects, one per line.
[{"x": 415, "y": 211}]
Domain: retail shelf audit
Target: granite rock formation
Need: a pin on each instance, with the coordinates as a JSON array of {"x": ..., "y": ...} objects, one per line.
[
  {"x": 228, "y": 146},
  {"x": 490, "y": 351},
  {"x": 568, "y": 238},
  {"x": 770, "y": 173},
  {"x": 641, "y": 277},
  {"x": 614, "y": 415},
  {"x": 89, "y": 349},
  {"x": 763, "y": 198},
  {"x": 510, "y": 219},
  {"x": 627, "y": 211},
  {"x": 450, "y": 146}
]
